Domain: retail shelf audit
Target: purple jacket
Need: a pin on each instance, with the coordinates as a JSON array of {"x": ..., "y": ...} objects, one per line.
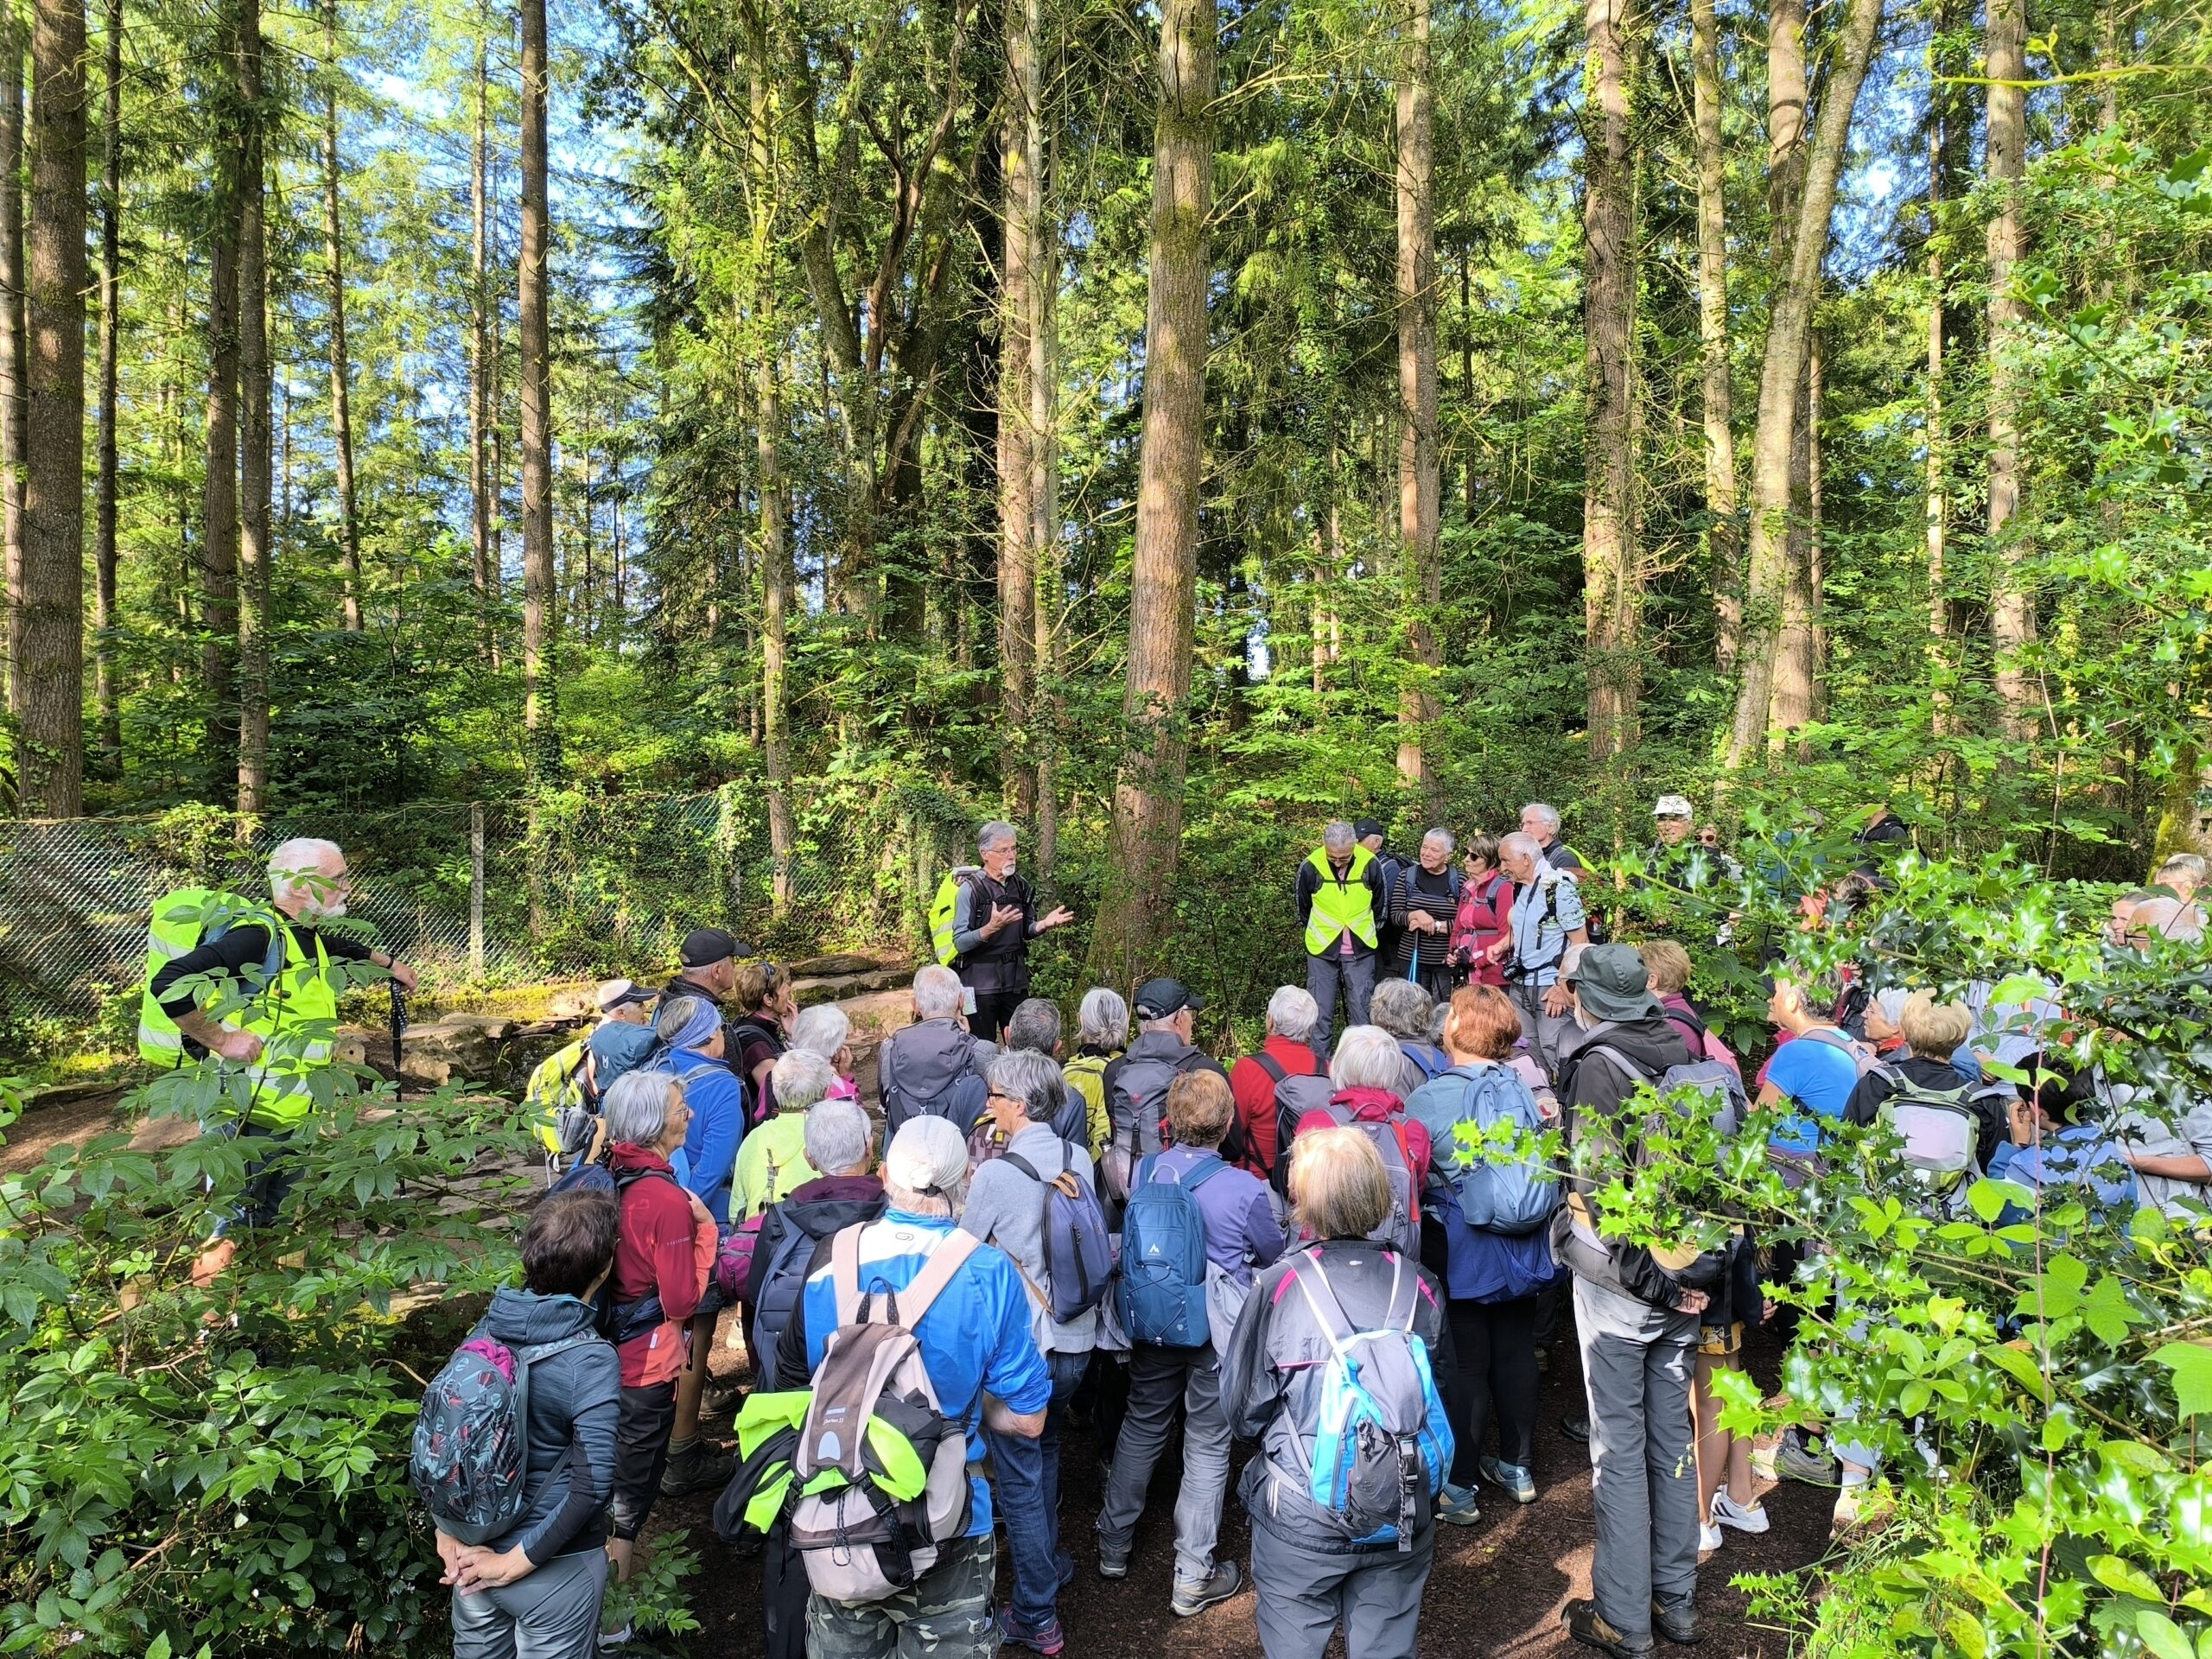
[{"x": 1237, "y": 1209}]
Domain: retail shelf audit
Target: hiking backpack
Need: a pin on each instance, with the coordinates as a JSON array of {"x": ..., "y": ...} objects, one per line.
[
  {"x": 1514, "y": 1196},
  {"x": 1722, "y": 1086},
  {"x": 1427, "y": 1058},
  {"x": 1401, "y": 1229},
  {"x": 1296, "y": 1095},
  {"x": 564, "y": 1105},
  {"x": 1161, "y": 1293},
  {"x": 872, "y": 1474},
  {"x": 1078, "y": 1259},
  {"x": 1939, "y": 1127},
  {"x": 1381, "y": 1442},
  {"x": 1139, "y": 1115},
  {"x": 470, "y": 1462},
  {"x": 963, "y": 1099}
]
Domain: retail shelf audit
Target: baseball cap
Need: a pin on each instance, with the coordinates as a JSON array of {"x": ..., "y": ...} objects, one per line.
[
  {"x": 1612, "y": 983},
  {"x": 703, "y": 946},
  {"x": 621, "y": 993},
  {"x": 1366, "y": 827},
  {"x": 1673, "y": 806},
  {"x": 1158, "y": 998}
]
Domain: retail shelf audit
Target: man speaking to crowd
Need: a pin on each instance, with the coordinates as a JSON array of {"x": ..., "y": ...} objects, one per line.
[{"x": 980, "y": 925}]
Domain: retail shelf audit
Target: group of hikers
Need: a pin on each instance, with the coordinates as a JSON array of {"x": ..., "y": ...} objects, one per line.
[{"x": 1340, "y": 1247}]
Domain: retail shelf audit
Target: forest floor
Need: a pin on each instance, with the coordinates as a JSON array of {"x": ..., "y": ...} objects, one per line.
[{"x": 1496, "y": 1591}]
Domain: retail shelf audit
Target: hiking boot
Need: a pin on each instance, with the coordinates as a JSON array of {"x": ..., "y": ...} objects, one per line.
[
  {"x": 1576, "y": 1429},
  {"x": 1113, "y": 1563},
  {"x": 1796, "y": 1460},
  {"x": 1193, "y": 1599},
  {"x": 1678, "y": 1623},
  {"x": 695, "y": 1468},
  {"x": 1513, "y": 1477},
  {"x": 1744, "y": 1517},
  {"x": 1044, "y": 1638},
  {"x": 1585, "y": 1624},
  {"x": 1455, "y": 1506}
]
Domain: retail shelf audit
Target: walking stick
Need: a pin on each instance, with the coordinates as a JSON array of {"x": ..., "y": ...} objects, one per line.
[{"x": 398, "y": 1031}]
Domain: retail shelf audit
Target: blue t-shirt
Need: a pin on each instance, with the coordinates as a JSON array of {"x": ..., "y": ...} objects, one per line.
[
  {"x": 2081, "y": 1156},
  {"x": 1818, "y": 1075},
  {"x": 975, "y": 1337}
]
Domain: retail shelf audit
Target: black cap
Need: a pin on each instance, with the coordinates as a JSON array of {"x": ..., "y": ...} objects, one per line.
[
  {"x": 1367, "y": 827},
  {"x": 704, "y": 946},
  {"x": 1159, "y": 998}
]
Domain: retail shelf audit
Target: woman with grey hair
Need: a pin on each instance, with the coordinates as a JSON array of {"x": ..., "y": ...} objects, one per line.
[
  {"x": 1102, "y": 1024},
  {"x": 827, "y": 1030},
  {"x": 1408, "y": 1012},
  {"x": 1424, "y": 904},
  {"x": 1367, "y": 1071},
  {"x": 771, "y": 1160},
  {"x": 665, "y": 1251}
]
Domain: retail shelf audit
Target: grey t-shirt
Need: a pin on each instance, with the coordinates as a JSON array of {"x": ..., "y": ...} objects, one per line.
[
  {"x": 2145, "y": 1133},
  {"x": 1005, "y": 1208}
]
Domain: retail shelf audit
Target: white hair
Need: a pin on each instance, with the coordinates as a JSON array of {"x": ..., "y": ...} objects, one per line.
[
  {"x": 638, "y": 1105},
  {"x": 838, "y": 1136},
  {"x": 1443, "y": 836},
  {"x": 996, "y": 833},
  {"x": 1102, "y": 1018},
  {"x": 1891, "y": 999},
  {"x": 1522, "y": 842},
  {"x": 1293, "y": 1013},
  {"x": 937, "y": 993},
  {"x": 1337, "y": 836},
  {"x": 822, "y": 1029},
  {"x": 800, "y": 1077},
  {"x": 1367, "y": 1057},
  {"x": 296, "y": 867},
  {"x": 1545, "y": 814}
]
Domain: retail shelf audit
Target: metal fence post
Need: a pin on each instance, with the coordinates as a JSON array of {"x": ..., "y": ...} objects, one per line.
[{"x": 476, "y": 890}]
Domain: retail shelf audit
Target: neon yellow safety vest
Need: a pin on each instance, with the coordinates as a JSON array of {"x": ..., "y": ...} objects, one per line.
[
  {"x": 290, "y": 1004},
  {"x": 945, "y": 912},
  {"x": 1338, "y": 906}
]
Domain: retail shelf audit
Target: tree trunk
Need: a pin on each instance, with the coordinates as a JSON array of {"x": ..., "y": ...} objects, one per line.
[
  {"x": 1420, "y": 478},
  {"x": 108, "y": 730},
  {"x": 1794, "y": 699},
  {"x": 1724, "y": 545},
  {"x": 14, "y": 345},
  {"x": 1138, "y": 905},
  {"x": 540, "y": 597},
  {"x": 334, "y": 246},
  {"x": 1019, "y": 288},
  {"x": 254, "y": 435},
  {"x": 776, "y": 585},
  {"x": 2012, "y": 612},
  {"x": 1612, "y": 576},
  {"x": 1938, "y": 443},
  {"x": 218, "y": 486},
  {"x": 1045, "y": 486},
  {"x": 481, "y": 505},
  {"x": 46, "y": 687},
  {"x": 1781, "y": 379}
]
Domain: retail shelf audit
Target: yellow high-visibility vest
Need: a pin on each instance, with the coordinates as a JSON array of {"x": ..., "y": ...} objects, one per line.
[{"x": 1340, "y": 906}]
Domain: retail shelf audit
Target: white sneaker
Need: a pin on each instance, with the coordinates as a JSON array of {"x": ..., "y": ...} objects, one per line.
[
  {"x": 1708, "y": 1539},
  {"x": 1744, "y": 1517}
]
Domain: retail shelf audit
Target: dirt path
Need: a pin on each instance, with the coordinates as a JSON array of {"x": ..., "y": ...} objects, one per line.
[{"x": 1496, "y": 1588}]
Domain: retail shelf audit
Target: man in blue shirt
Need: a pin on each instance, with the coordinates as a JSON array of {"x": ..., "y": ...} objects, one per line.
[
  {"x": 1812, "y": 1074},
  {"x": 984, "y": 1365}
]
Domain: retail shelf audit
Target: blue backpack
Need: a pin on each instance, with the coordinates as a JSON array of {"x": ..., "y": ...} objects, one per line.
[
  {"x": 1381, "y": 1442},
  {"x": 1433, "y": 1061},
  {"x": 470, "y": 1462},
  {"x": 1496, "y": 1197},
  {"x": 1078, "y": 1259},
  {"x": 1161, "y": 1294}
]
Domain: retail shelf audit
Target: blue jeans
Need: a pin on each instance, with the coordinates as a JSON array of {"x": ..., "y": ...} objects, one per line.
[{"x": 1027, "y": 1496}]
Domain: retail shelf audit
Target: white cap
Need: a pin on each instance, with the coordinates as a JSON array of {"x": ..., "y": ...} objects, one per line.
[
  {"x": 928, "y": 1154},
  {"x": 1673, "y": 806}
]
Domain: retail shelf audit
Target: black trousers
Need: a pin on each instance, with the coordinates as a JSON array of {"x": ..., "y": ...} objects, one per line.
[
  {"x": 783, "y": 1591},
  {"x": 993, "y": 1010},
  {"x": 1494, "y": 1376},
  {"x": 640, "y": 1455}
]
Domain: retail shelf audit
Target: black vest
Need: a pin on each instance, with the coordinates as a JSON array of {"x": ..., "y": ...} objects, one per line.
[{"x": 1000, "y": 963}]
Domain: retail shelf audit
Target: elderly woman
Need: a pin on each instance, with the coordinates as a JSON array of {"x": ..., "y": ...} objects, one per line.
[
  {"x": 773, "y": 1160},
  {"x": 1102, "y": 1028},
  {"x": 538, "y": 1589},
  {"x": 1424, "y": 902},
  {"x": 827, "y": 1030},
  {"x": 1407, "y": 1011},
  {"x": 661, "y": 1265},
  {"x": 1311, "y": 1576},
  {"x": 1367, "y": 1071},
  {"x": 1258, "y": 1080},
  {"x": 1486, "y": 912}
]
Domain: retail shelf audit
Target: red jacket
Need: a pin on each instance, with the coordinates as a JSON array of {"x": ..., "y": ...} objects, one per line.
[
  {"x": 657, "y": 1253},
  {"x": 1379, "y": 1106},
  {"x": 1486, "y": 913},
  {"x": 1255, "y": 1092}
]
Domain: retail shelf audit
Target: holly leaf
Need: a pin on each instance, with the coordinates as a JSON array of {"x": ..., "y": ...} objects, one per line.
[{"x": 2191, "y": 1365}]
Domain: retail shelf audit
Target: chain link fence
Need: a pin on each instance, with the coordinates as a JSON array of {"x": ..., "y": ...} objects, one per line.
[{"x": 487, "y": 893}]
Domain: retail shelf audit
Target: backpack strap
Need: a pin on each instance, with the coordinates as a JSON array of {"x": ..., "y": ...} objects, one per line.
[
  {"x": 944, "y": 1260},
  {"x": 526, "y": 1356},
  {"x": 1211, "y": 1166},
  {"x": 1273, "y": 1067}
]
